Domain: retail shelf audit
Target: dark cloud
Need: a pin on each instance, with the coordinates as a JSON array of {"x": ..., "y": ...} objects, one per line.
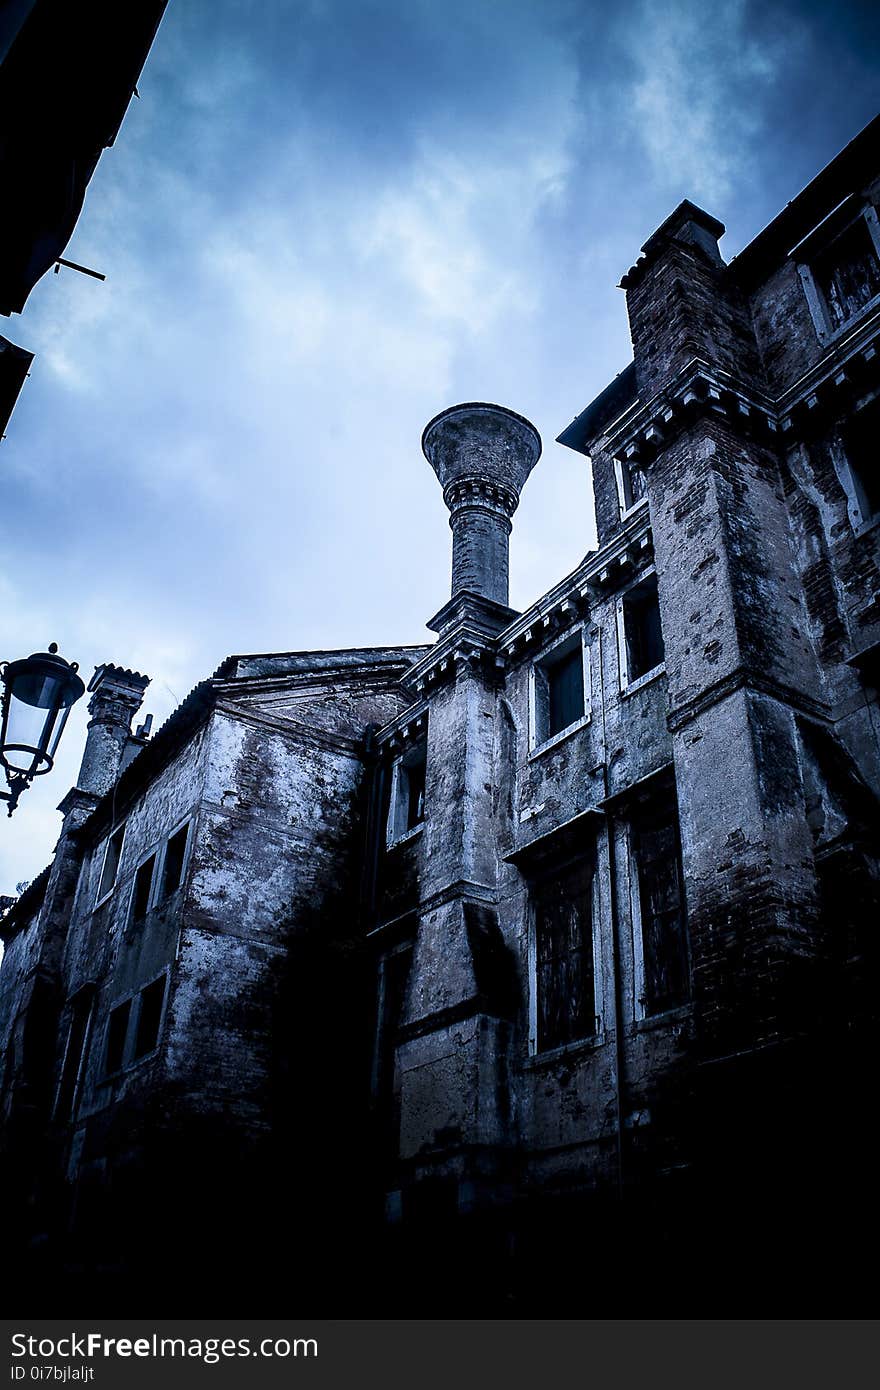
[{"x": 321, "y": 224}]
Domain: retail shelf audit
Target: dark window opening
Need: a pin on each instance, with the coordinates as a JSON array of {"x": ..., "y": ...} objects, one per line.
[
  {"x": 110, "y": 868},
  {"x": 175, "y": 853},
  {"x": 143, "y": 882},
  {"x": 394, "y": 974},
  {"x": 149, "y": 1017},
  {"x": 117, "y": 1031},
  {"x": 407, "y": 808},
  {"x": 415, "y": 791},
  {"x": 73, "y": 1056},
  {"x": 657, "y": 849},
  {"x": 565, "y": 691},
  {"x": 642, "y": 632},
  {"x": 559, "y": 690},
  {"x": 563, "y": 915},
  {"x": 847, "y": 273},
  {"x": 861, "y": 442}
]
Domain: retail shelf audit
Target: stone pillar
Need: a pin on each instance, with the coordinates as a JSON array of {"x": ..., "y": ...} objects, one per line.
[
  {"x": 482, "y": 455},
  {"x": 117, "y": 695}
]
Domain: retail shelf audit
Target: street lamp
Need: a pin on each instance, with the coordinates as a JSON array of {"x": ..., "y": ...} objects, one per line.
[{"x": 38, "y": 692}]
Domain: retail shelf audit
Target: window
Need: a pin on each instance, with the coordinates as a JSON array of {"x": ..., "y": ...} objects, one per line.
[
  {"x": 559, "y": 689},
  {"x": 860, "y": 473},
  {"x": 562, "y": 910},
  {"x": 149, "y": 1021},
  {"x": 110, "y": 867},
  {"x": 641, "y": 637},
  {"x": 393, "y": 977},
  {"x": 630, "y": 484},
  {"x": 841, "y": 272},
  {"x": 407, "y": 809},
  {"x": 143, "y": 882},
  {"x": 663, "y": 975},
  {"x": 175, "y": 854},
  {"x": 81, "y": 1014},
  {"x": 117, "y": 1032}
]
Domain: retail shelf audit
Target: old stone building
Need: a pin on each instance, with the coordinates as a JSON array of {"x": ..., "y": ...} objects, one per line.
[{"x": 528, "y": 970}]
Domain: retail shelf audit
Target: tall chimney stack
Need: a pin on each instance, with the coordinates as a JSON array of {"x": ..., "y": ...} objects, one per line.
[
  {"x": 482, "y": 455},
  {"x": 117, "y": 695}
]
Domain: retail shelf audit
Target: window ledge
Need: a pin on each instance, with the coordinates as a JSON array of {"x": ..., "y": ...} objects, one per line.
[
  {"x": 642, "y": 681},
  {"x": 106, "y": 898},
  {"x": 827, "y": 335},
  {"x": 631, "y": 511},
  {"x": 680, "y": 1014},
  {"x": 569, "y": 1051},
  {"x": 406, "y": 836},
  {"x": 121, "y": 1072},
  {"x": 560, "y": 737},
  {"x": 865, "y": 526}
]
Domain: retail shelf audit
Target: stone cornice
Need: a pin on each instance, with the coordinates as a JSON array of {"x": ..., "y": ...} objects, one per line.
[
  {"x": 290, "y": 728},
  {"x": 408, "y": 728},
  {"x": 701, "y": 389},
  {"x": 746, "y": 678},
  {"x": 698, "y": 389},
  {"x": 852, "y": 364},
  {"x": 600, "y": 572},
  {"x": 469, "y": 643}
]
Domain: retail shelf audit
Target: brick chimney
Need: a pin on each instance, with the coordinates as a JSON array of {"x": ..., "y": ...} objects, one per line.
[{"x": 117, "y": 695}]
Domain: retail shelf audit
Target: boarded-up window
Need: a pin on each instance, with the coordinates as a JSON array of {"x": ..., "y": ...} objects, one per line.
[
  {"x": 117, "y": 1031},
  {"x": 643, "y": 636},
  {"x": 175, "y": 854},
  {"x": 847, "y": 273},
  {"x": 657, "y": 848},
  {"x": 110, "y": 867},
  {"x": 563, "y": 919},
  {"x": 143, "y": 882},
  {"x": 149, "y": 1017}
]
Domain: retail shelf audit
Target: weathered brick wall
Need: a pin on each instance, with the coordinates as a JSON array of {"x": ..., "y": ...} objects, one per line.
[{"x": 683, "y": 305}]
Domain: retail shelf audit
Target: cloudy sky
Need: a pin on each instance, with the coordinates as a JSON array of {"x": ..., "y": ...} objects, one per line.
[{"x": 323, "y": 222}]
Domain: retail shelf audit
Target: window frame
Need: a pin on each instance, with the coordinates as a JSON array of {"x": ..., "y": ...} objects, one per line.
[
  {"x": 107, "y": 1073},
  {"x": 84, "y": 996},
  {"x": 640, "y": 1010},
  {"x": 849, "y": 474},
  {"x": 153, "y": 855},
  {"x": 622, "y": 479},
  {"x": 161, "y": 895},
  {"x": 539, "y": 696},
  {"x": 134, "y": 1000},
  {"x": 816, "y": 245},
  {"x": 397, "y": 828},
  {"x": 628, "y": 686},
  {"x": 120, "y": 829},
  {"x": 534, "y": 879}
]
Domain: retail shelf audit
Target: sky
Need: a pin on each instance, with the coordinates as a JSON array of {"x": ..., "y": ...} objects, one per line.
[{"x": 321, "y": 223}]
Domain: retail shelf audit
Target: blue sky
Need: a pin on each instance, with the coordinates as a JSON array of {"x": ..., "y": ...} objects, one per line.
[{"x": 322, "y": 223}]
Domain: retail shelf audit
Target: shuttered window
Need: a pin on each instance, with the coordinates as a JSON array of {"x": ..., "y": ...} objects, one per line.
[
  {"x": 562, "y": 906},
  {"x": 662, "y": 905}
]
